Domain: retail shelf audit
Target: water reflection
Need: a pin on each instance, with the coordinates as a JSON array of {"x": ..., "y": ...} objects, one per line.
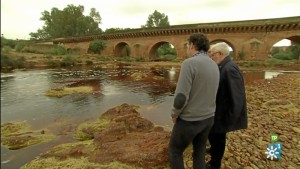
[{"x": 270, "y": 75}]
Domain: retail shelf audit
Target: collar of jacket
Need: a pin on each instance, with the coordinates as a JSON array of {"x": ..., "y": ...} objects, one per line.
[
  {"x": 224, "y": 61},
  {"x": 199, "y": 53}
]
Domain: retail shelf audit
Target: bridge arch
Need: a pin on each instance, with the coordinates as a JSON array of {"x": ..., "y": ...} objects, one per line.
[
  {"x": 153, "y": 51},
  {"x": 276, "y": 49},
  {"x": 274, "y": 38},
  {"x": 122, "y": 49},
  {"x": 293, "y": 39}
]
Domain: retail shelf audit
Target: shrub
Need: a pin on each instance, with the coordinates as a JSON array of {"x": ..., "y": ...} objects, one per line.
[
  {"x": 275, "y": 50},
  {"x": 19, "y": 47},
  {"x": 18, "y": 62},
  {"x": 241, "y": 55},
  {"x": 97, "y": 46},
  {"x": 68, "y": 61},
  {"x": 284, "y": 56},
  {"x": 6, "y": 49},
  {"x": 27, "y": 49},
  {"x": 167, "y": 57},
  {"x": 8, "y": 42},
  {"x": 6, "y": 61},
  {"x": 59, "y": 50}
]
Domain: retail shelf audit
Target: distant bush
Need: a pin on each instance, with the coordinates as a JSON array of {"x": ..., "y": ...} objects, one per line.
[
  {"x": 27, "y": 49},
  {"x": 8, "y": 42},
  {"x": 283, "y": 56},
  {"x": 275, "y": 50},
  {"x": 6, "y": 49},
  {"x": 18, "y": 62},
  {"x": 167, "y": 57},
  {"x": 277, "y": 62},
  {"x": 68, "y": 61},
  {"x": 97, "y": 46},
  {"x": 59, "y": 50},
  {"x": 6, "y": 61},
  {"x": 241, "y": 55},
  {"x": 19, "y": 47}
]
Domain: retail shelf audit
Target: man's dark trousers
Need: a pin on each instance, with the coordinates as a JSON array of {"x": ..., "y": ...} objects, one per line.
[
  {"x": 218, "y": 143},
  {"x": 184, "y": 133}
]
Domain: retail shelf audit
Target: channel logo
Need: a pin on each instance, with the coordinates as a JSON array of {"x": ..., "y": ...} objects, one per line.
[{"x": 274, "y": 149}]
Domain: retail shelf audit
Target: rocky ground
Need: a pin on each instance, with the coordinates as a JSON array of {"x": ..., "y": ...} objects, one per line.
[
  {"x": 273, "y": 107},
  {"x": 120, "y": 138}
]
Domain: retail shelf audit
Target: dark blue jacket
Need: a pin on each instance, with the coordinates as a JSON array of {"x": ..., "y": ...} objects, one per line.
[{"x": 231, "y": 106}]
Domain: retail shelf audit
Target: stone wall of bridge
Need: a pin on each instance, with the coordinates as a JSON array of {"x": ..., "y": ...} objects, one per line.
[
  {"x": 255, "y": 46},
  {"x": 251, "y": 39}
]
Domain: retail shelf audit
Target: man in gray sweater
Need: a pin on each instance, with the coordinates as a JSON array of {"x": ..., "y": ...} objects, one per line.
[{"x": 194, "y": 103}]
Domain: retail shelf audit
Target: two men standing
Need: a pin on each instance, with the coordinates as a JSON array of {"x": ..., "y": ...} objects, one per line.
[{"x": 209, "y": 102}]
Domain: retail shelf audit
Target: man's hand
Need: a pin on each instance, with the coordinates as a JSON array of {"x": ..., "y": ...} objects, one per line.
[{"x": 174, "y": 119}]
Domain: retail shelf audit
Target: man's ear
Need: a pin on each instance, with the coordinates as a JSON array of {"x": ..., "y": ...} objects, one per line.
[{"x": 193, "y": 47}]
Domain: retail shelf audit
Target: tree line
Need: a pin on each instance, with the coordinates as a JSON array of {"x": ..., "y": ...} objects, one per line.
[{"x": 71, "y": 21}]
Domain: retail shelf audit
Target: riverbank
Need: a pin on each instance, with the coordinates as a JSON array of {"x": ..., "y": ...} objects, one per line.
[
  {"x": 273, "y": 108},
  {"x": 93, "y": 61}
]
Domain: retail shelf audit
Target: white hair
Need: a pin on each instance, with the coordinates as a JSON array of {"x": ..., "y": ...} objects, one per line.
[{"x": 220, "y": 47}]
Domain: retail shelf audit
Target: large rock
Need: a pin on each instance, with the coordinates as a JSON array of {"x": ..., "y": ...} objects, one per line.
[{"x": 124, "y": 138}]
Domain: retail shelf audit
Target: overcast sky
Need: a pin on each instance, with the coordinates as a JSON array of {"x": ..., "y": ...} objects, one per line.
[{"x": 20, "y": 17}]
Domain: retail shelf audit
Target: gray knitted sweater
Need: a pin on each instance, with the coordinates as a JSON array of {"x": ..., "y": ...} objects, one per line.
[{"x": 196, "y": 89}]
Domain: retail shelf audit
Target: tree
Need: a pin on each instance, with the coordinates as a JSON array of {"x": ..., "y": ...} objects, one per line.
[
  {"x": 111, "y": 30},
  {"x": 95, "y": 15},
  {"x": 157, "y": 19},
  {"x": 68, "y": 22},
  {"x": 97, "y": 46},
  {"x": 295, "y": 50}
]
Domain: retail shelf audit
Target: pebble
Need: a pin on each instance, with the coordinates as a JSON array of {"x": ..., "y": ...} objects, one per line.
[{"x": 246, "y": 148}]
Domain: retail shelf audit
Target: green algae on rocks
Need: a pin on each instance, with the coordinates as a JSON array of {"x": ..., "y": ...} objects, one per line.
[
  {"x": 60, "y": 92},
  {"x": 18, "y": 135}
]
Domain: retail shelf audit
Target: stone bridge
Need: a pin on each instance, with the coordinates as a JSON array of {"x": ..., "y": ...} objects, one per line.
[{"x": 251, "y": 39}]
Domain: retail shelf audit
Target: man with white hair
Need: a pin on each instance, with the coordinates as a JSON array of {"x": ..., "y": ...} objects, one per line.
[{"x": 231, "y": 108}]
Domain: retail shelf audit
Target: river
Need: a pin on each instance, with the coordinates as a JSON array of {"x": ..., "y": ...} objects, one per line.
[{"x": 23, "y": 99}]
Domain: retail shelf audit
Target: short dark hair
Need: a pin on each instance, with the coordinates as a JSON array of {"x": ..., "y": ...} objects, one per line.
[{"x": 200, "y": 41}]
